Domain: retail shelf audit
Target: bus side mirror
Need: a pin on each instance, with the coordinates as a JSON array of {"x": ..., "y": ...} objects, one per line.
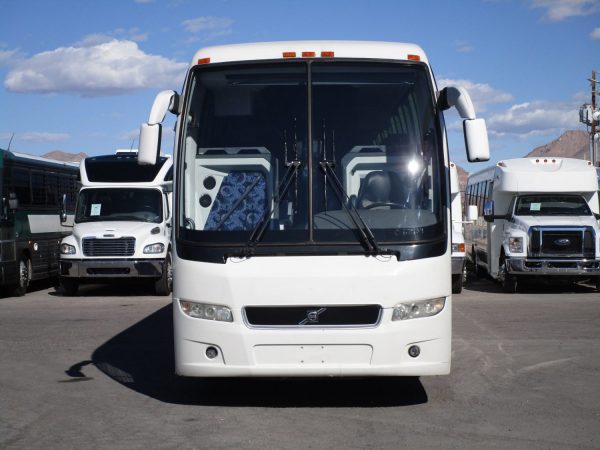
[
  {"x": 151, "y": 132},
  {"x": 476, "y": 140},
  {"x": 472, "y": 213},
  {"x": 488, "y": 211},
  {"x": 63, "y": 211},
  {"x": 13, "y": 201},
  {"x": 475, "y": 131}
]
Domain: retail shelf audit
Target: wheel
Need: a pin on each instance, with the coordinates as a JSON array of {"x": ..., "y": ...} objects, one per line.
[
  {"x": 68, "y": 286},
  {"x": 475, "y": 270},
  {"x": 508, "y": 281},
  {"x": 164, "y": 284},
  {"x": 457, "y": 283},
  {"x": 24, "y": 276}
]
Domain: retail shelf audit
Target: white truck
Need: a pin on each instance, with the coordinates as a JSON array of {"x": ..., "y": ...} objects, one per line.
[
  {"x": 539, "y": 219},
  {"x": 122, "y": 224},
  {"x": 458, "y": 238}
]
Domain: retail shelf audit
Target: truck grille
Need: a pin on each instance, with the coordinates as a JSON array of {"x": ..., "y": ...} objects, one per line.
[
  {"x": 313, "y": 316},
  {"x": 124, "y": 246},
  {"x": 563, "y": 242}
]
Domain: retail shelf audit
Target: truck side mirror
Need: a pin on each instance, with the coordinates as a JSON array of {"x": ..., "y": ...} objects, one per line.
[
  {"x": 472, "y": 213},
  {"x": 488, "y": 211},
  {"x": 151, "y": 132}
]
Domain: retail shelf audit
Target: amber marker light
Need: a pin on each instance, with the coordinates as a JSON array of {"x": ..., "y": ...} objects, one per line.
[
  {"x": 289, "y": 54},
  {"x": 204, "y": 61},
  {"x": 308, "y": 54},
  {"x": 414, "y": 58},
  {"x": 327, "y": 54}
]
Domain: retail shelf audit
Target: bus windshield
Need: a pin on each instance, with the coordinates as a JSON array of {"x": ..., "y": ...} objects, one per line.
[
  {"x": 552, "y": 205},
  {"x": 119, "y": 204},
  {"x": 299, "y": 146}
]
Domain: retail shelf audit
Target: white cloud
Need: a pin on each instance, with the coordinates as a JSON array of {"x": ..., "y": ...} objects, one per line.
[
  {"x": 463, "y": 47},
  {"x": 595, "y": 34},
  {"x": 534, "y": 118},
  {"x": 41, "y": 136},
  {"x": 10, "y": 57},
  {"x": 109, "y": 68},
  {"x": 482, "y": 94},
  {"x": 558, "y": 10},
  {"x": 131, "y": 34},
  {"x": 208, "y": 27}
]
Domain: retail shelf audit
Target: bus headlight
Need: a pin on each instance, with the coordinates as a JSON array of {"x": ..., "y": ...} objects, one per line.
[
  {"x": 206, "y": 311},
  {"x": 154, "y": 248},
  {"x": 66, "y": 249},
  {"x": 421, "y": 308},
  {"x": 515, "y": 244}
]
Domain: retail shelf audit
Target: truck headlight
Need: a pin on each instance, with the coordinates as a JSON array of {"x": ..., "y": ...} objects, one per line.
[
  {"x": 154, "y": 248},
  {"x": 206, "y": 311},
  {"x": 66, "y": 249},
  {"x": 515, "y": 244},
  {"x": 458, "y": 248},
  {"x": 421, "y": 308}
]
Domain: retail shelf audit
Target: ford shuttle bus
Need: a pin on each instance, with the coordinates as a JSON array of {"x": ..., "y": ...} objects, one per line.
[{"x": 312, "y": 217}]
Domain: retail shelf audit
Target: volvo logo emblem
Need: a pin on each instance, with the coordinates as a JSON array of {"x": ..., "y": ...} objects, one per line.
[
  {"x": 562, "y": 242},
  {"x": 312, "y": 316}
]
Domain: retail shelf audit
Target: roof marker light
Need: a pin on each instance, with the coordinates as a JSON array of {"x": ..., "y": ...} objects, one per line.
[
  {"x": 545, "y": 161},
  {"x": 308, "y": 54},
  {"x": 289, "y": 54},
  {"x": 327, "y": 54},
  {"x": 414, "y": 57},
  {"x": 204, "y": 61}
]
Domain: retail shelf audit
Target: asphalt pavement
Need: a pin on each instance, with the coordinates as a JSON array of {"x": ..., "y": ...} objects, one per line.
[{"x": 96, "y": 371}]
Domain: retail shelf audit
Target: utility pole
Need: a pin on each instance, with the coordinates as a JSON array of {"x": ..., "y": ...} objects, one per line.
[
  {"x": 590, "y": 116},
  {"x": 593, "y": 132}
]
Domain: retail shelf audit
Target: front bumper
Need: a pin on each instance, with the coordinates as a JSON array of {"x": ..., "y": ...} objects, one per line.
[
  {"x": 458, "y": 265},
  {"x": 120, "y": 268},
  {"x": 318, "y": 352},
  {"x": 576, "y": 267}
]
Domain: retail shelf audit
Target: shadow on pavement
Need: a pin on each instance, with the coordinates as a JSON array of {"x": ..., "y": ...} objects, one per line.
[
  {"x": 141, "y": 358},
  {"x": 531, "y": 286}
]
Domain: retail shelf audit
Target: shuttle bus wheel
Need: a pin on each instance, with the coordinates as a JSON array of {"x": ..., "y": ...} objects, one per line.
[
  {"x": 457, "y": 283},
  {"x": 508, "y": 281}
]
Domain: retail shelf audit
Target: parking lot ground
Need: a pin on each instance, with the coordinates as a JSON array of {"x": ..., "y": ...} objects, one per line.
[{"x": 96, "y": 370}]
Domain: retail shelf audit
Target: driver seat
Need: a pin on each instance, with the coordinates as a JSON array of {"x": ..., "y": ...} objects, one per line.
[{"x": 376, "y": 187}]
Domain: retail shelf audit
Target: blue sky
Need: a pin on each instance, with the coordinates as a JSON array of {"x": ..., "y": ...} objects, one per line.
[{"x": 80, "y": 76}]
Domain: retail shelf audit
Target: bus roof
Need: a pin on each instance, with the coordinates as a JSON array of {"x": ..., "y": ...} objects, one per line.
[
  {"x": 32, "y": 159},
  {"x": 540, "y": 174},
  {"x": 310, "y": 49}
]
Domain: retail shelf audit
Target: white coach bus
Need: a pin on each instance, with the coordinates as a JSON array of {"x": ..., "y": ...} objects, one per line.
[
  {"x": 539, "y": 219},
  {"x": 312, "y": 221}
]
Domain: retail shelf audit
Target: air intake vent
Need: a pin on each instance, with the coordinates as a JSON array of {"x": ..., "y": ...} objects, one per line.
[{"x": 124, "y": 246}]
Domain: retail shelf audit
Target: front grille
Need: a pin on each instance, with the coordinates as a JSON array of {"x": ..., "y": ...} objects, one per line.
[
  {"x": 108, "y": 271},
  {"x": 565, "y": 242},
  {"x": 312, "y": 316},
  {"x": 109, "y": 247}
]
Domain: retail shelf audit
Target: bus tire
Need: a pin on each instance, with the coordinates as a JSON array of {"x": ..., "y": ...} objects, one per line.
[
  {"x": 508, "y": 281},
  {"x": 164, "y": 284},
  {"x": 68, "y": 286},
  {"x": 24, "y": 277},
  {"x": 457, "y": 283}
]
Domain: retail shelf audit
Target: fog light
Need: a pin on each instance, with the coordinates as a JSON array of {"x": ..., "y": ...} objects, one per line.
[
  {"x": 413, "y": 351},
  {"x": 212, "y": 353}
]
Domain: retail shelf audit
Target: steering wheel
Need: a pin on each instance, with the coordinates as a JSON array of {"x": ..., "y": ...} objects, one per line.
[{"x": 377, "y": 204}]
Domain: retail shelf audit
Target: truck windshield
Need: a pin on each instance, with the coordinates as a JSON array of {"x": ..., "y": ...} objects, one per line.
[
  {"x": 113, "y": 204},
  {"x": 373, "y": 126},
  {"x": 552, "y": 205}
]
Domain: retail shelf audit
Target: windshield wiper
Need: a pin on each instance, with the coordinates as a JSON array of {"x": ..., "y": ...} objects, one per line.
[
  {"x": 260, "y": 227},
  {"x": 366, "y": 235}
]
